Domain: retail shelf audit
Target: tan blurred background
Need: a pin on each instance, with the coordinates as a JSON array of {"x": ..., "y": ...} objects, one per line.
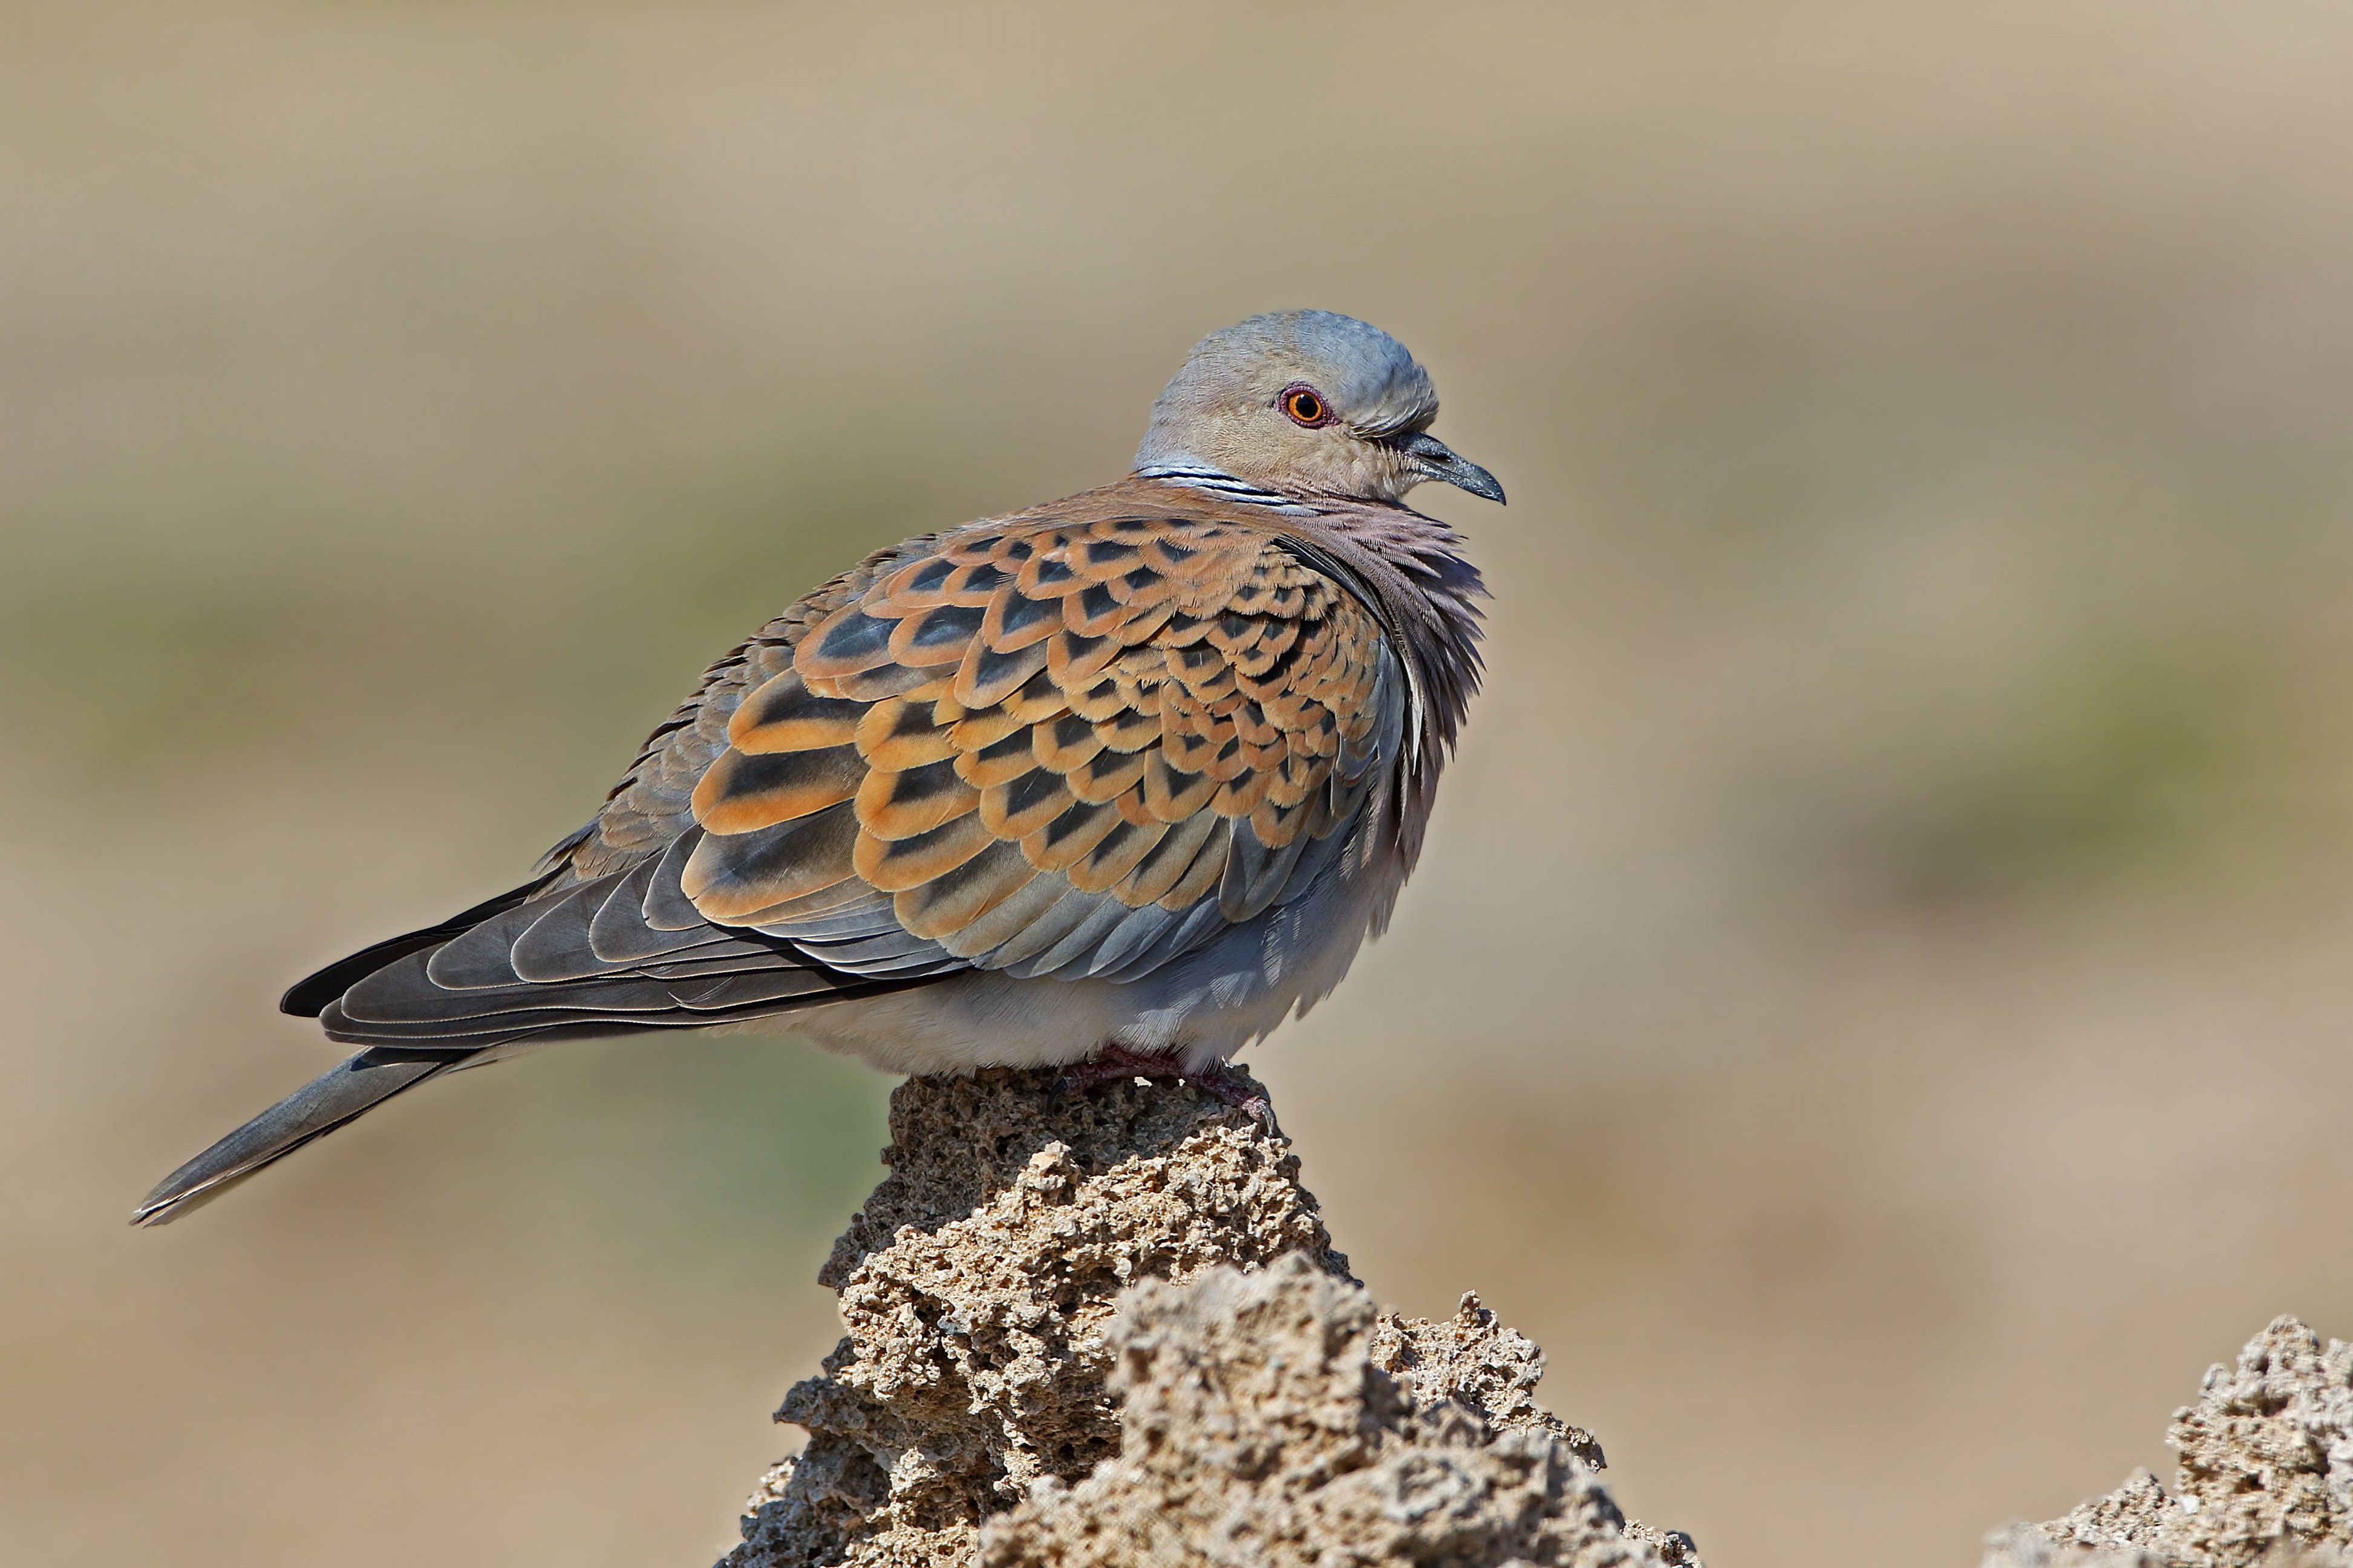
[{"x": 1879, "y": 1005}]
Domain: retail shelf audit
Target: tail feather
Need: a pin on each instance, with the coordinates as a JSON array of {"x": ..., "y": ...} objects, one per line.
[
  {"x": 535, "y": 965},
  {"x": 310, "y": 1113}
]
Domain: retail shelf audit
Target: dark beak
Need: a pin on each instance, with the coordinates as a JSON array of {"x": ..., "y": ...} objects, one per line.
[{"x": 1437, "y": 461}]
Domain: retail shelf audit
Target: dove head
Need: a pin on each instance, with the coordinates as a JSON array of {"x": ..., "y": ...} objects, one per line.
[{"x": 1308, "y": 402}]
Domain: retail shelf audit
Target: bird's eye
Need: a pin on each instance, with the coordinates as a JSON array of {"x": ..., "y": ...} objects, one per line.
[{"x": 1306, "y": 406}]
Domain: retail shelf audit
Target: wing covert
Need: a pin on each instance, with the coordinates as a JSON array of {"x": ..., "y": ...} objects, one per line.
[{"x": 1061, "y": 747}]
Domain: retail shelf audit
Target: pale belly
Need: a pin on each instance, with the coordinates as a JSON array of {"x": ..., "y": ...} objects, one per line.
[{"x": 1202, "y": 1008}]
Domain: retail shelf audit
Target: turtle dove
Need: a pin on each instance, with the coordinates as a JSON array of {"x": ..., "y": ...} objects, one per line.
[{"x": 1118, "y": 782}]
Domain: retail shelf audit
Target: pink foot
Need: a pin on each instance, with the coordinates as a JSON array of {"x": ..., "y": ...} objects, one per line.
[{"x": 1221, "y": 1082}]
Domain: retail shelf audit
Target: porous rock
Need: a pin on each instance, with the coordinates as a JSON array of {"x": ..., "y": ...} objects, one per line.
[
  {"x": 1080, "y": 1324},
  {"x": 2265, "y": 1477},
  {"x": 1259, "y": 1431}
]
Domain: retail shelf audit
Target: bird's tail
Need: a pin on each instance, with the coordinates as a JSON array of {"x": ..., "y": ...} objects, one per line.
[
  {"x": 315, "y": 1109},
  {"x": 534, "y": 965}
]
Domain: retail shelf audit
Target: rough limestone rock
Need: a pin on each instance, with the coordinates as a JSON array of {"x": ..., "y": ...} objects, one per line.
[
  {"x": 1259, "y": 1431},
  {"x": 974, "y": 1408},
  {"x": 2266, "y": 1475}
]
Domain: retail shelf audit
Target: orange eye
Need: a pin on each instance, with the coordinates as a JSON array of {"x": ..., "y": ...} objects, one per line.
[{"x": 1306, "y": 406}]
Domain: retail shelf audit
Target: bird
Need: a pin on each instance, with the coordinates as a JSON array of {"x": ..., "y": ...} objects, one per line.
[{"x": 1116, "y": 783}]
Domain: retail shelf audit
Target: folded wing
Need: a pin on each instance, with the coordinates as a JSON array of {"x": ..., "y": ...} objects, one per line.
[
  {"x": 1068, "y": 749},
  {"x": 1053, "y": 748}
]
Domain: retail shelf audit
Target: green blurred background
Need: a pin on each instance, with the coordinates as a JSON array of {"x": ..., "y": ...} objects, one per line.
[{"x": 1876, "y": 1006}]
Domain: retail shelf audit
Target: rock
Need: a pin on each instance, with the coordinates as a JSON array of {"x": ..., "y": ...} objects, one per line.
[
  {"x": 1259, "y": 1430},
  {"x": 1076, "y": 1325},
  {"x": 2266, "y": 1478}
]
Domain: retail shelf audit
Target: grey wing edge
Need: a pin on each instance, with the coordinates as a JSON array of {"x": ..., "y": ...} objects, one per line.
[{"x": 548, "y": 960}]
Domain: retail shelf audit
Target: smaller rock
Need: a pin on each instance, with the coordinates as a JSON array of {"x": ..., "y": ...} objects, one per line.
[{"x": 2265, "y": 1479}]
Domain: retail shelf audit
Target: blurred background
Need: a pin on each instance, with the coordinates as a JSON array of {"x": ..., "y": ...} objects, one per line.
[{"x": 1876, "y": 1005}]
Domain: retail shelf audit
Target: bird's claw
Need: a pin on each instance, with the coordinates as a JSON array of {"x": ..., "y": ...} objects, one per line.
[{"x": 1220, "y": 1082}]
